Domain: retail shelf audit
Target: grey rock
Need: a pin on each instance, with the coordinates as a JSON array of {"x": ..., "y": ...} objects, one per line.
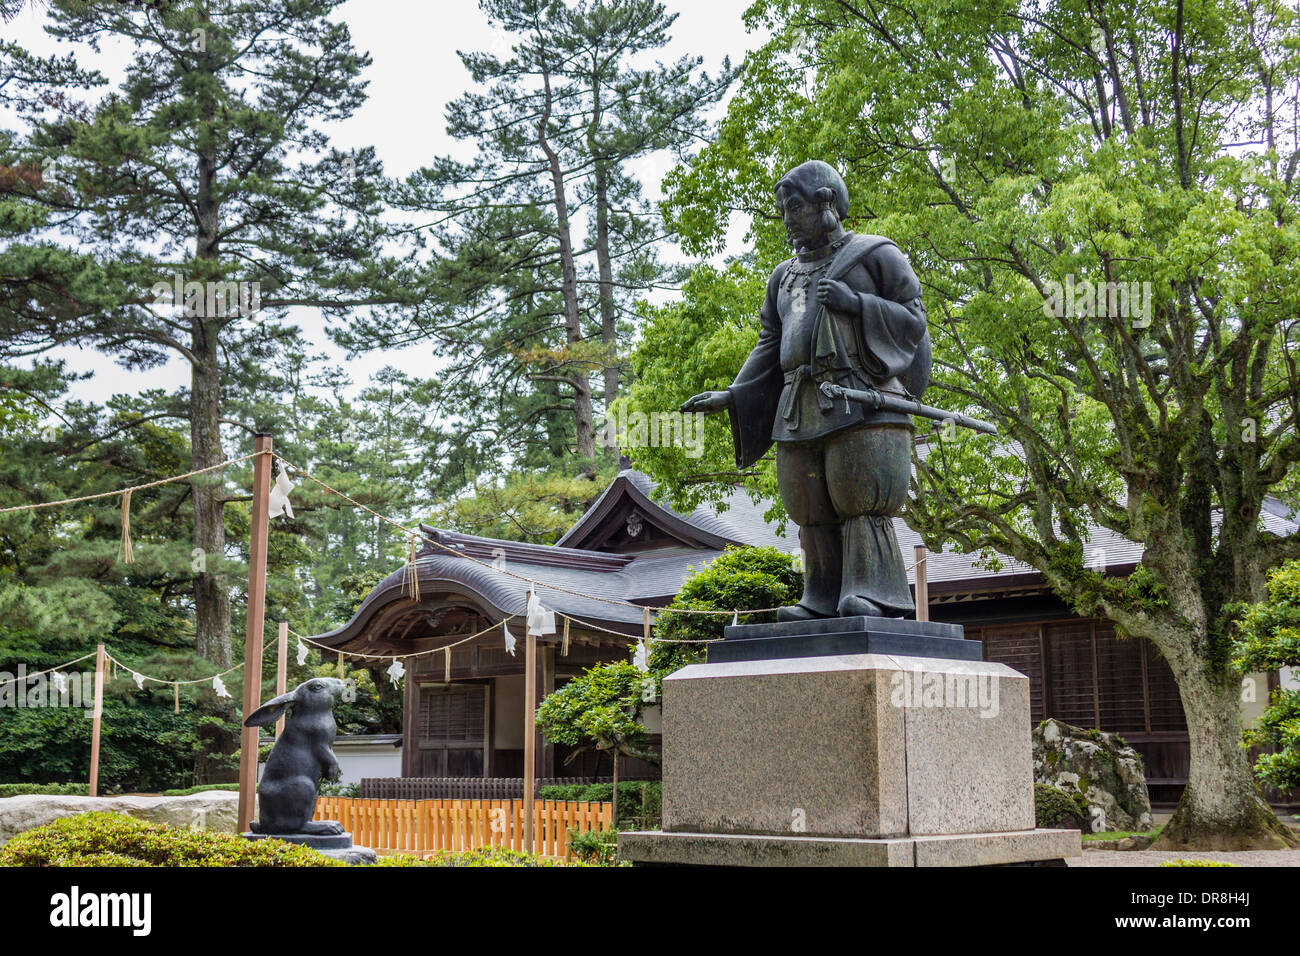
[
  {"x": 207, "y": 810},
  {"x": 353, "y": 855},
  {"x": 1099, "y": 765}
]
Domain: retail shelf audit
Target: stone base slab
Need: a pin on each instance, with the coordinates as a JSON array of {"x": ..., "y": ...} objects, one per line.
[
  {"x": 337, "y": 846},
  {"x": 829, "y": 637},
  {"x": 317, "y": 841},
  {"x": 1024, "y": 847}
]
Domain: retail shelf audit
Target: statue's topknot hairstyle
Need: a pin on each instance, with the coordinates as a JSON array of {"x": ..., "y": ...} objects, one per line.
[{"x": 814, "y": 176}]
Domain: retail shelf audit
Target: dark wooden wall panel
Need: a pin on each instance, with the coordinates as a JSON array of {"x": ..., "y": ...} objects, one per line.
[
  {"x": 1070, "y": 673},
  {"x": 1017, "y": 646},
  {"x": 1119, "y": 682},
  {"x": 1162, "y": 694}
]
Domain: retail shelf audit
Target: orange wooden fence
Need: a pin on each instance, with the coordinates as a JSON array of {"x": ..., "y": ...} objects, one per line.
[{"x": 426, "y": 826}]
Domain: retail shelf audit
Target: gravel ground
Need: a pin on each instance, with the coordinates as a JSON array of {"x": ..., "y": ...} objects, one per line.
[{"x": 1147, "y": 858}]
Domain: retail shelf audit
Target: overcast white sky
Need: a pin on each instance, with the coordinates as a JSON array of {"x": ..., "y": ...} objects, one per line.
[{"x": 414, "y": 74}]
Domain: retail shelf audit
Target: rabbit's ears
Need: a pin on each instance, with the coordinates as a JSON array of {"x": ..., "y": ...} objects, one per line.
[{"x": 269, "y": 712}]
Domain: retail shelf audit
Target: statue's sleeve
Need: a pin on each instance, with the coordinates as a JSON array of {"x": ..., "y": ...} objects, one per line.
[
  {"x": 893, "y": 319},
  {"x": 757, "y": 388}
]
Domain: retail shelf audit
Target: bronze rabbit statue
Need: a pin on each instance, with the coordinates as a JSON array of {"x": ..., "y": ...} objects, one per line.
[{"x": 302, "y": 755}]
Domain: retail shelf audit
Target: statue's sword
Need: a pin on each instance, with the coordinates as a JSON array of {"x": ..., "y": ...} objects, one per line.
[{"x": 876, "y": 399}]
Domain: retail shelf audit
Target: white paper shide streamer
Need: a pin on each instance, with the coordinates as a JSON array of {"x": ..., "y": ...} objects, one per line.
[
  {"x": 541, "y": 620},
  {"x": 219, "y": 688},
  {"x": 510, "y": 639},
  {"x": 641, "y": 657},
  {"x": 139, "y": 680},
  {"x": 279, "y": 496},
  {"x": 302, "y": 653},
  {"x": 395, "y": 671}
]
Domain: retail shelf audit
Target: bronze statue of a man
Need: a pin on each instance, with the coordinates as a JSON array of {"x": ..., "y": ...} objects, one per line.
[{"x": 845, "y": 310}]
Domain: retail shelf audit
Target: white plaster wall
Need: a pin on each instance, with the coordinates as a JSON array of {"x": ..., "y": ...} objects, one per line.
[{"x": 370, "y": 761}]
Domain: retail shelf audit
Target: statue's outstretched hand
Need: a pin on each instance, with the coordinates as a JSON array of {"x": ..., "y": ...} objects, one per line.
[
  {"x": 707, "y": 402},
  {"x": 836, "y": 295}
]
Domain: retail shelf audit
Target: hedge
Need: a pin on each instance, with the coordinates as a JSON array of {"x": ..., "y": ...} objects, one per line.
[
  {"x": 45, "y": 789},
  {"x": 201, "y": 788},
  {"x": 640, "y": 802},
  {"x": 115, "y": 839},
  {"x": 485, "y": 857}
]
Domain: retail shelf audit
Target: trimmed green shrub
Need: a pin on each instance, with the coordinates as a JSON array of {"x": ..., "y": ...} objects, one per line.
[
  {"x": 115, "y": 839},
  {"x": 595, "y": 847},
  {"x": 1197, "y": 863},
  {"x": 328, "y": 789},
  {"x": 485, "y": 857},
  {"x": 741, "y": 578},
  {"x": 45, "y": 789},
  {"x": 640, "y": 802},
  {"x": 1056, "y": 809}
]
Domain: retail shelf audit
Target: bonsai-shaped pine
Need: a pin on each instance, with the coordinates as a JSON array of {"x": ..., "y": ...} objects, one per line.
[
  {"x": 1268, "y": 639},
  {"x": 740, "y": 579},
  {"x": 600, "y": 710}
]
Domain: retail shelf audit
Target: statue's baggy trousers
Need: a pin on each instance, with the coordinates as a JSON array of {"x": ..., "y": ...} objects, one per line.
[{"x": 843, "y": 491}]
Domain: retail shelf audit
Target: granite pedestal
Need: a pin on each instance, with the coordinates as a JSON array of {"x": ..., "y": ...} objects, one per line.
[
  {"x": 337, "y": 846},
  {"x": 852, "y": 758}
]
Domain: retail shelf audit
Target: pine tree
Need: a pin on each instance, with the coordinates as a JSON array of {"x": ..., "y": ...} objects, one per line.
[
  {"x": 516, "y": 297},
  {"x": 206, "y": 165}
]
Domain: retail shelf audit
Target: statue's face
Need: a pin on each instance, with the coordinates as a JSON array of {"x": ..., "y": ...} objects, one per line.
[{"x": 802, "y": 218}]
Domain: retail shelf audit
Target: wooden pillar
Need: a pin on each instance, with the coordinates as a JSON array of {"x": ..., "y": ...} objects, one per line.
[
  {"x": 922, "y": 585},
  {"x": 545, "y": 687},
  {"x": 97, "y": 720},
  {"x": 282, "y": 671},
  {"x": 411, "y": 718},
  {"x": 253, "y": 630},
  {"x": 530, "y": 734}
]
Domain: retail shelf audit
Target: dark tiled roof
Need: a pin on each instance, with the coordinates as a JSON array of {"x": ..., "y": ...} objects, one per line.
[{"x": 573, "y": 581}]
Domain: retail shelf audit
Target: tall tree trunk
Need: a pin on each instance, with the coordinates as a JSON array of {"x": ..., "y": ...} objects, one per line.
[
  {"x": 582, "y": 410},
  {"x": 608, "y": 319},
  {"x": 613, "y": 795},
  {"x": 1222, "y": 807},
  {"x": 211, "y": 597}
]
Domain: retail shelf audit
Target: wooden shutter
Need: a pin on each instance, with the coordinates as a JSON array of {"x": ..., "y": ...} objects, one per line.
[
  {"x": 1017, "y": 646},
  {"x": 1119, "y": 682},
  {"x": 452, "y": 728},
  {"x": 453, "y": 716},
  {"x": 1069, "y": 666},
  {"x": 1162, "y": 695}
]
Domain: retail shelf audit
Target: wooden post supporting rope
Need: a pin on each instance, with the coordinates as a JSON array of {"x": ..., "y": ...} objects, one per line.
[
  {"x": 922, "y": 585},
  {"x": 97, "y": 720},
  {"x": 253, "y": 631},
  {"x": 282, "y": 672},
  {"x": 530, "y": 733}
]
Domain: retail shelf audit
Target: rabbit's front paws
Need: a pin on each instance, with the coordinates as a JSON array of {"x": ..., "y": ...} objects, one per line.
[{"x": 323, "y": 828}]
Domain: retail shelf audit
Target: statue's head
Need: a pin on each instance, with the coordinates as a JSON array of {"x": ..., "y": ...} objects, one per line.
[{"x": 813, "y": 201}]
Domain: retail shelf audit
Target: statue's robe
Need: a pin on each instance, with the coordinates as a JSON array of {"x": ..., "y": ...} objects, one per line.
[
  {"x": 884, "y": 344},
  {"x": 842, "y": 467}
]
